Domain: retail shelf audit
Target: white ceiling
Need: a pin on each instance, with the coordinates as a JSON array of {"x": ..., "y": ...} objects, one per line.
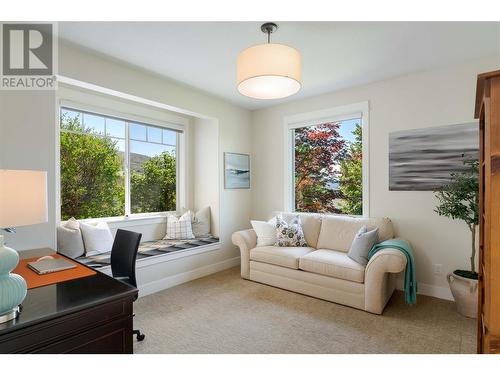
[{"x": 334, "y": 54}]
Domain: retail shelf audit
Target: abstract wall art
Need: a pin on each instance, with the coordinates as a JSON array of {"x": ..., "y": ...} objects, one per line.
[{"x": 423, "y": 159}]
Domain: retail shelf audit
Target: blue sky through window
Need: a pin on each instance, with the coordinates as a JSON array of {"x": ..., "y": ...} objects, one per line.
[
  {"x": 115, "y": 128},
  {"x": 95, "y": 123},
  {"x": 347, "y": 127}
]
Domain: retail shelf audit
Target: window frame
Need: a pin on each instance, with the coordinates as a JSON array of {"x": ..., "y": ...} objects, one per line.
[
  {"x": 180, "y": 151},
  {"x": 339, "y": 113}
]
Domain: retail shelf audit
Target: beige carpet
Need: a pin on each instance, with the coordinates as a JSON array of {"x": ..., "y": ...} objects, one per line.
[{"x": 223, "y": 313}]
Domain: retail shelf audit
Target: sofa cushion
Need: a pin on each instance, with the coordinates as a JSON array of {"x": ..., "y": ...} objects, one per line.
[
  {"x": 280, "y": 256},
  {"x": 311, "y": 225},
  {"x": 337, "y": 232},
  {"x": 332, "y": 263}
]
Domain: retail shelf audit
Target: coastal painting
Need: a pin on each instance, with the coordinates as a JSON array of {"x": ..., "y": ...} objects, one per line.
[
  {"x": 423, "y": 159},
  {"x": 236, "y": 171}
]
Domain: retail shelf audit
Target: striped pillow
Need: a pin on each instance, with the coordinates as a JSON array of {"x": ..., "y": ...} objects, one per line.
[{"x": 179, "y": 228}]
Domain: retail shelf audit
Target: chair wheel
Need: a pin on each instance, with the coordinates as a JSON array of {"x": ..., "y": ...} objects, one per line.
[{"x": 141, "y": 336}]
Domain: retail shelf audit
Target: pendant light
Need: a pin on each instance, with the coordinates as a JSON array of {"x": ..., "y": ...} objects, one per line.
[{"x": 269, "y": 71}]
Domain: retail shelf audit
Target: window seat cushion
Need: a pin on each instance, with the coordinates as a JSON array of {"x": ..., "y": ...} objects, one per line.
[{"x": 149, "y": 249}]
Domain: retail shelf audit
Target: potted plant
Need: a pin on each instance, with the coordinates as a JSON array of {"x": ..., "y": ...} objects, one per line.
[{"x": 460, "y": 200}]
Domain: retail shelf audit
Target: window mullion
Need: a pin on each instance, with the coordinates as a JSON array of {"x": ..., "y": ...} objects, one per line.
[{"x": 127, "y": 170}]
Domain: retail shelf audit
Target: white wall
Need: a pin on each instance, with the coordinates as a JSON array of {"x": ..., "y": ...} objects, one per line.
[
  {"x": 206, "y": 169},
  {"x": 426, "y": 99},
  {"x": 28, "y": 141}
]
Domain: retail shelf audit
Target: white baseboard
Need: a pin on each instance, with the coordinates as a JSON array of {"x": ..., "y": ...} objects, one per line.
[
  {"x": 170, "y": 281},
  {"x": 433, "y": 291}
]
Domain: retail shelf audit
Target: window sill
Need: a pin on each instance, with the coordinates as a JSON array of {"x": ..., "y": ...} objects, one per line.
[{"x": 129, "y": 221}]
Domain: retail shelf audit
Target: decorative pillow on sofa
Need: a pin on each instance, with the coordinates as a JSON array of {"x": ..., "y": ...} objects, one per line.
[
  {"x": 97, "y": 238},
  {"x": 265, "y": 231},
  {"x": 69, "y": 239},
  {"x": 362, "y": 244},
  {"x": 289, "y": 235},
  {"x": 179, "y": 228}
]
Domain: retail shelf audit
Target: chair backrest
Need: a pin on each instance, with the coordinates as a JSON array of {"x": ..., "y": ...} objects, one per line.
[{"x": 124, "y": 254}]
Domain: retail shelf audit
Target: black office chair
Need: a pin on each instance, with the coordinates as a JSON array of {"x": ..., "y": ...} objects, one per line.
[{"x": 123, "y": 256}]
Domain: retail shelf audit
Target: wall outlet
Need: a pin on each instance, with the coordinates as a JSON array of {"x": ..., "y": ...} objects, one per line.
[{"x": 438, "y": 269}]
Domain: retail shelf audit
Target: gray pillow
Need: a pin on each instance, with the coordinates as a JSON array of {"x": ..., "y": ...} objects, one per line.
[{"x": 362, "y": 244}]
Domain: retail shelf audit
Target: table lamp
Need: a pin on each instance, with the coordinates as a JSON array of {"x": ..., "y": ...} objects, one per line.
[{"x": 23, "y": 201}]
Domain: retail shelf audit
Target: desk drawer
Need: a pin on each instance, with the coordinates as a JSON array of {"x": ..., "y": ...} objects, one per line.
[
  {"x": 111, "y": 338},
  {"x": 58, "y": 330}
]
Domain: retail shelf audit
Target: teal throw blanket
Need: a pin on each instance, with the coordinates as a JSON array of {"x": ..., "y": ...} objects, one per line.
[{"x": 410, "y": 282}]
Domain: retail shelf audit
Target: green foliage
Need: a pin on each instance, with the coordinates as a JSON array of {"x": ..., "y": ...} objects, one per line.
[
  {"x": 154, "y": 188},
  {"x": 93, "y": 181},
  {"x": 317, "y": 148},
  {"x": 91, "y": 174},
  {"x": 351, "y": 176},
  {"x": 460, "y": 200}
]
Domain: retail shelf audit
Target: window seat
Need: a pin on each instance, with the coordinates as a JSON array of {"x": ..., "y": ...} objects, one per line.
[{"x": 151, "y": 252}]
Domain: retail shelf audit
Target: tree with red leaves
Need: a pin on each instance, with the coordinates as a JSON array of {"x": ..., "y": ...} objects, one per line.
[{"x": 318, "y": 152}]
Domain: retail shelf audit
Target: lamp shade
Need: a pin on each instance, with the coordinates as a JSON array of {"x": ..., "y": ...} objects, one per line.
[
  {"x": 269, "y": 71},
  {"x": 23, "y": 198}
]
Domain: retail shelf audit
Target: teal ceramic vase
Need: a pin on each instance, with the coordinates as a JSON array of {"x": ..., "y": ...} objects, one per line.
[{"x": 12, "y": 287}]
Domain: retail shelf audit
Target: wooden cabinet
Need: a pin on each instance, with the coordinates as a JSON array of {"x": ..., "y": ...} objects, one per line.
[{"x": 488, "y": 112}]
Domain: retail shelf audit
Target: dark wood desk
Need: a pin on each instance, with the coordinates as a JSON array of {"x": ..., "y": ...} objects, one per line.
[{"x": 87, "y": 315}]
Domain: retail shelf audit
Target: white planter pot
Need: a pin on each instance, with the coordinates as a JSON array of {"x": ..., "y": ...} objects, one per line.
[{"x": 464, "y": 292}]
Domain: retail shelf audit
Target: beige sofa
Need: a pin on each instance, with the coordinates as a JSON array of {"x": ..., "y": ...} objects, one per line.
[{"x": 323, "y": 269}]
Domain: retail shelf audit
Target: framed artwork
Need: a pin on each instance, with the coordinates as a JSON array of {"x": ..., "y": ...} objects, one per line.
[
  {"x": 236, "y": 171},
  {"x": 423, "y": 159}
]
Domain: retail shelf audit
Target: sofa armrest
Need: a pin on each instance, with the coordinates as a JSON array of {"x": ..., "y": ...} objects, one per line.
[
  {"x": 246, "y": 240},
  {"x": 379, "y": 284},
  {"x": 386, "y": 260}
]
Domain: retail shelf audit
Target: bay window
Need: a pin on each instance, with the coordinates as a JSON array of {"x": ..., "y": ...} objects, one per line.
[{"x": 112, "y": 166}]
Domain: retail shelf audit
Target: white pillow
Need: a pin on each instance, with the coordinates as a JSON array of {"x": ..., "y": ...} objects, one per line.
[
  {"x": 200, "y": 222},
  {"x": 72, "y": 223},
  {"x": 179, "y": 228},
  {"x": 69, "y": 239},
  {"x": 97, "y": 238},
  {"x": 266, "y": 232}
]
